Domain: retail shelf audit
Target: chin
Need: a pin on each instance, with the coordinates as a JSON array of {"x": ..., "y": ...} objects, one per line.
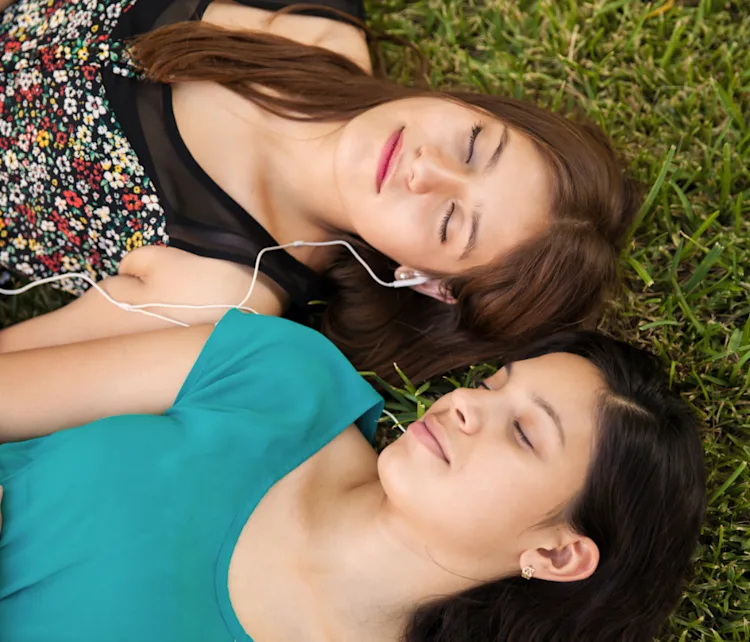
[
  {"x": 396, "y": 469},
  {"x": 385, "y": 460}
]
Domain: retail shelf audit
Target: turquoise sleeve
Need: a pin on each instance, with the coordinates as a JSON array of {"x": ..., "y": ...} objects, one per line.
[{"x": 268, "y": 365}]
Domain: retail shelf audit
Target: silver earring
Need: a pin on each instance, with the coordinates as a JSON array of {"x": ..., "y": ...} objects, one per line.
[{"x": 527, "y": 572}]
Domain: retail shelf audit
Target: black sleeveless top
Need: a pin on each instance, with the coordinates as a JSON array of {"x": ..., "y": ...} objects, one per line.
[{"x": 200, "y": 217}]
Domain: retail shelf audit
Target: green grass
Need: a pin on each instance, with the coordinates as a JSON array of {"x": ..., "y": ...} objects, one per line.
[{"x": 673, "y": 89}]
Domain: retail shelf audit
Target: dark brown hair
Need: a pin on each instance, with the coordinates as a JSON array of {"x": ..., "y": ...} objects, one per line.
[
  {"x": 558, "y": 279},
  {"x": 642, "y": 504}
]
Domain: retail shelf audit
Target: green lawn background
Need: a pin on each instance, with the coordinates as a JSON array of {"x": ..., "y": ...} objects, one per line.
[{"x": 670, "y": 82}]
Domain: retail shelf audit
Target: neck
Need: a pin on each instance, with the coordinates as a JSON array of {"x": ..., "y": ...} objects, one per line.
[
  {"x": 300, "y": 178},
  {"x": 370, "y": 570}
]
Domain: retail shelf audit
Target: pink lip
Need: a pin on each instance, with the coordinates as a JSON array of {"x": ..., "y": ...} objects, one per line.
[
  {"x": 390, "y": 151},
  {"x": 427, "y": 437}
]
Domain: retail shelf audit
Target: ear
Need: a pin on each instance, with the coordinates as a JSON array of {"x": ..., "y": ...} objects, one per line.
[
  {"x": 436, "y": 289},
  {"x": 433, "y": 288},
  {"x": 575, "y": 558}
]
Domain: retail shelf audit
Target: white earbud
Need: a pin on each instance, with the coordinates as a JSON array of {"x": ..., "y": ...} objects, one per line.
[{"x": 417, "y": 279}]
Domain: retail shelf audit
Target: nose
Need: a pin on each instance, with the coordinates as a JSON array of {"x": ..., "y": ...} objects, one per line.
[
  {"x": 463, "y": 413},
  {"x": 432, "y": 171}
]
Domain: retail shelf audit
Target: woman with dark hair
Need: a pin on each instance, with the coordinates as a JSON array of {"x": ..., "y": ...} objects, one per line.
[
  {"x": 164, "y": 143},
  {"x": 225, "y": 489}
]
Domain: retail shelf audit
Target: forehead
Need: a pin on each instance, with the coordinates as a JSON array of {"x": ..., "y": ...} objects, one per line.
[
  {"x": 515, "y": 198},
  {"x": 518, "y": 191},
  {"x": 560, "y": 373},
  {"x": 567, "y": 382}
]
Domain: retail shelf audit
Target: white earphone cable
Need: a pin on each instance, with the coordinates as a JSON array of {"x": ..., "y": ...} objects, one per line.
[
  {"x": 142, "y": 307},
  {"x": 85, "y": 277},
  {"x": 396, "y": 422}
]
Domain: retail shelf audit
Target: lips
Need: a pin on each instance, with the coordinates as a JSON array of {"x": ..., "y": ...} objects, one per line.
[
  {"x": 389, "y": 153},
  {"x": 427, "y": 434}
]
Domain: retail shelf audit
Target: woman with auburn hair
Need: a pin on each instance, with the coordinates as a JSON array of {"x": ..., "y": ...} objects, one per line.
[
  {"x": 161, "y": 145},
  {"x": 225, "y": 490}
]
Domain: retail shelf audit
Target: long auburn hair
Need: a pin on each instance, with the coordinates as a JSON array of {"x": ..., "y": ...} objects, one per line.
[
  {"x": 642, "y": 503},
  {"x": 556, "y": 280}
]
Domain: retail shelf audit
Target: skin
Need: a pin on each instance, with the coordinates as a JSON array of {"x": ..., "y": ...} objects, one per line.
[
  {"x": 444, "y": 165},
  {"x": 265, "y": 165},
  {"x": 353, "y": 540},
  {"x": 503, "y": 450}
]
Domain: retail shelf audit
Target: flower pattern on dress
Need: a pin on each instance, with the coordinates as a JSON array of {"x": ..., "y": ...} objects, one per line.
[{"x": 73, "y": 194}]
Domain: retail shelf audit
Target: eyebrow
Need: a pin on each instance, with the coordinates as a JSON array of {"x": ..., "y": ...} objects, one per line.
[
  {"x": 472, "y": 242},
  {"x": 547, "y": 407},
  {"x": 476, "y": 216},
  {"x": 544, "y": 405},
  {"x": 498, "y": 151}
]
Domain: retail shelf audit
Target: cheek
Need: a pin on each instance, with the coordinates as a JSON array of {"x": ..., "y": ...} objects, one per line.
[
  {"x": 468, "y": 509},
  {"x": 355, "y": 163},
  {"x": 485, "y": 502},
  {"x": 495, "y": 500},
  {"x": 392, "y": 229}
]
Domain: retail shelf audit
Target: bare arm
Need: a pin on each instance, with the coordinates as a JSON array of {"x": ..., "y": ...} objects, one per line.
[
  {"x": 50, "y": 389},
  {"x": 150, "y": 274},
  {"x": 4, "y": 4},
  {"x": 339, "y": 37}
]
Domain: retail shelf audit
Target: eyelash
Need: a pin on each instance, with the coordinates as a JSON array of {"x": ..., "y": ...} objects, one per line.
[
  {"x": 516, "y": 426},
  {"x": 444, "y": 224},
  {"x": 475, "y": 131},
  {"x": 522, "y": 435}
]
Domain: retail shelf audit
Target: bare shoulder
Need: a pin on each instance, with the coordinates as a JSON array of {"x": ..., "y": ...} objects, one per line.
[
  {"x": 337, "y": 36},
  {"x": 290, "y": 512}
]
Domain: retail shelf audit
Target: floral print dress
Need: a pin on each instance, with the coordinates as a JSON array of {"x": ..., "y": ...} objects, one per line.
[{"x": 74, "y": 196}]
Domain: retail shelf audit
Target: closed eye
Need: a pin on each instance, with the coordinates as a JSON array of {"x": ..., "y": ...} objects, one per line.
[
  {"x": 516, "y": 425},
  {"x": 522, "y": 435},
  {"x": 475, "y": 131},
  {"x": 444, "y": 224}
]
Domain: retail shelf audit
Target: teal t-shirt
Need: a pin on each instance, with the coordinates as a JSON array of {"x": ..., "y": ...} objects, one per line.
[{"x": 123, "y": 529}]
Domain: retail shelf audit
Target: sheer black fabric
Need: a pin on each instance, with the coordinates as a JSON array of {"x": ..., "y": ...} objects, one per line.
[{"x": 201, "y": 217}]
